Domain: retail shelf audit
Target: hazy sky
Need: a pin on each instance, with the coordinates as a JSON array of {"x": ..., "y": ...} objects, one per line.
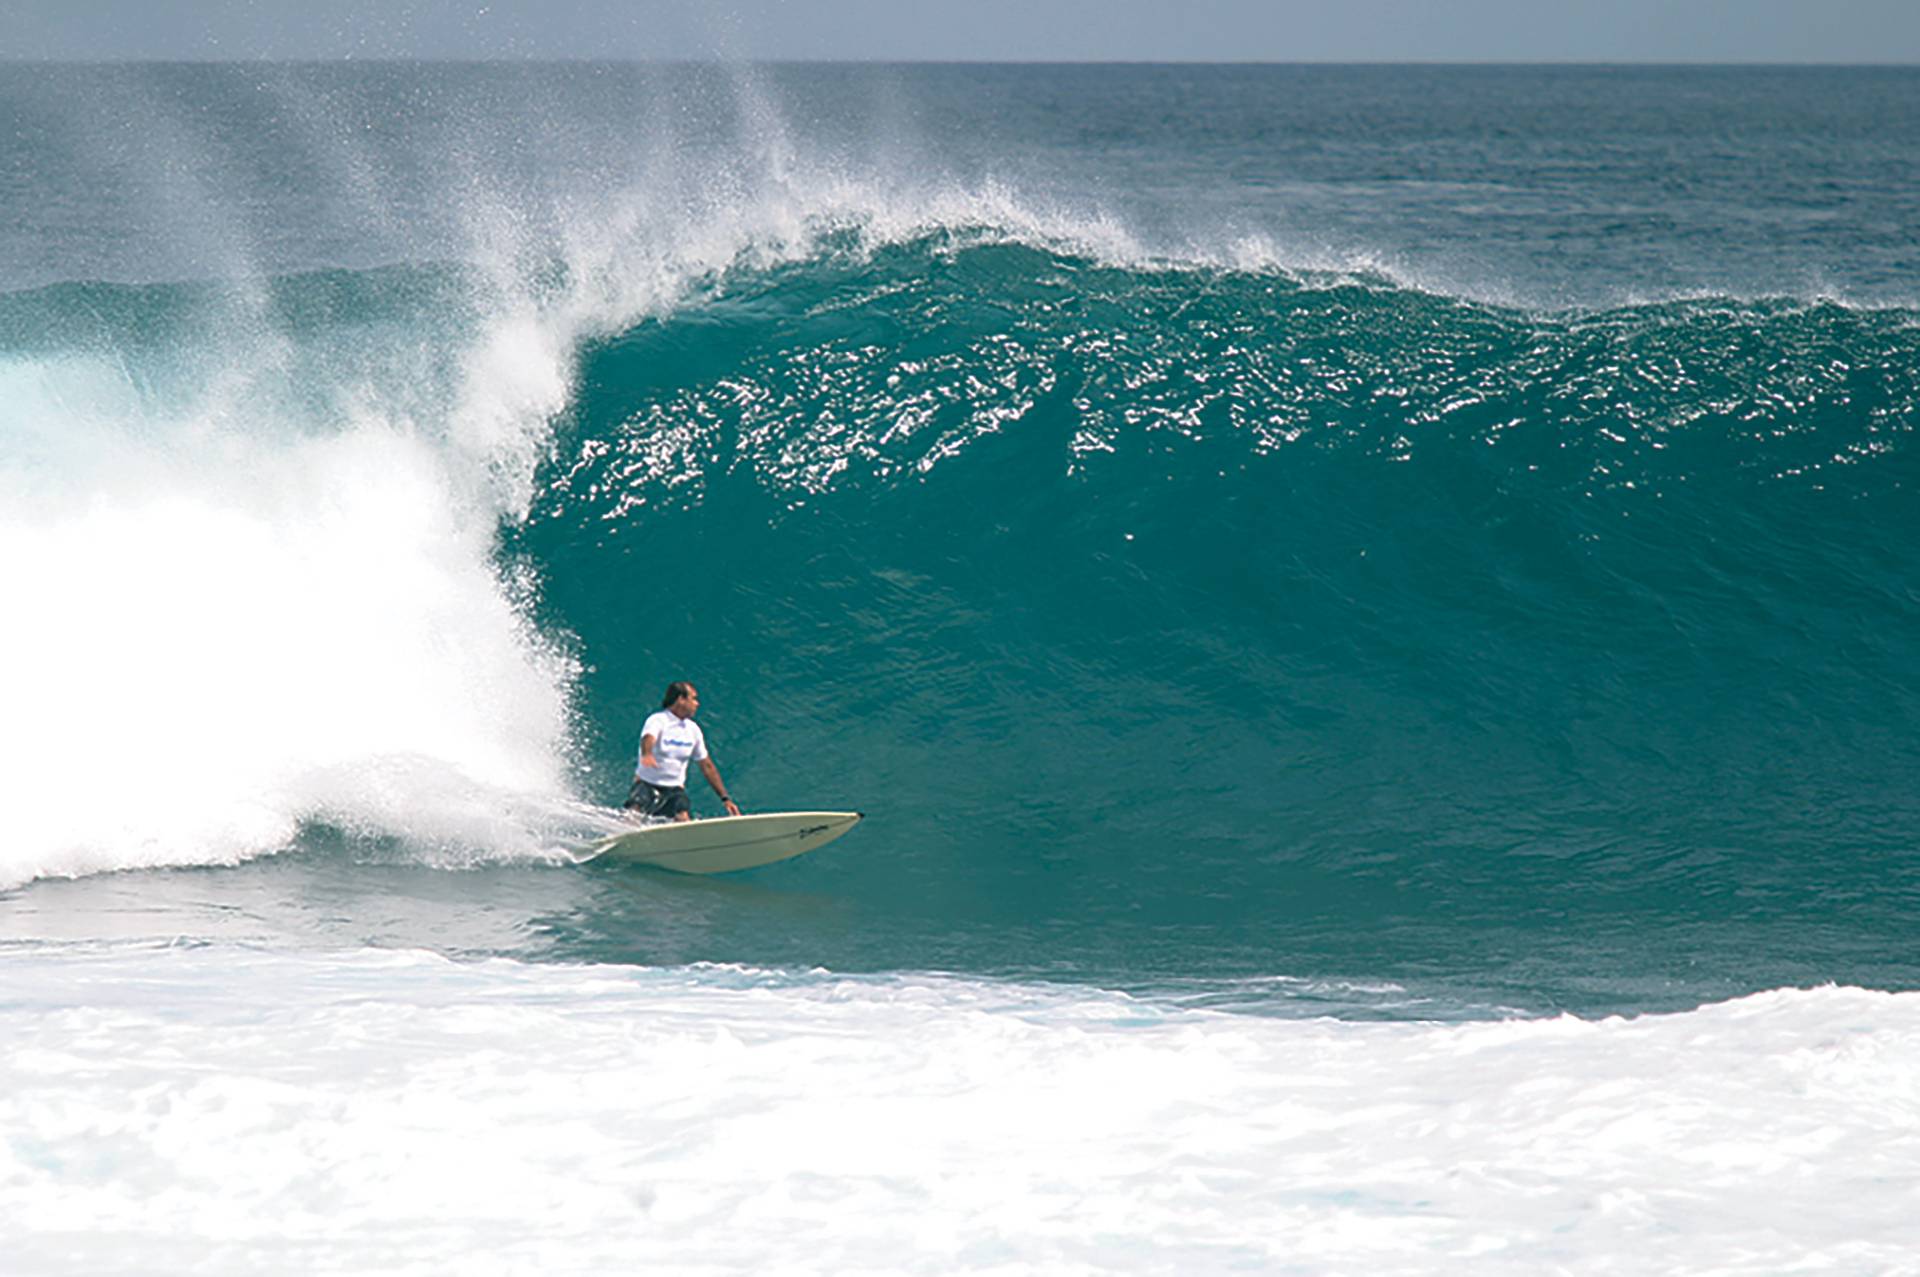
[{"x": 972, "y": 30}]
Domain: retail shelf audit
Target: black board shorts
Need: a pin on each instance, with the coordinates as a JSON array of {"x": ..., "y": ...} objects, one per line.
[{"x": 657, "y": 800}]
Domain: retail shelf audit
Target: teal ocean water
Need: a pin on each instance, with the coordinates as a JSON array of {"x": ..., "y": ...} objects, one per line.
[
  {"x": 1372, "y": 614},
  {"x": 1440, "y": 529}
]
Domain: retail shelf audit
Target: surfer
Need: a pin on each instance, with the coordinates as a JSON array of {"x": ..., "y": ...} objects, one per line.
[{"x": 669, "y": 738}]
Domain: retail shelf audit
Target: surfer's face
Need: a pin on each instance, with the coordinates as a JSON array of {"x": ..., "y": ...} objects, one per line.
[{"x": 687, "y": 704}]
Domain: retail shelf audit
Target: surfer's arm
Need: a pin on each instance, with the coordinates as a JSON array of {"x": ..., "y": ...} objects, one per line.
[
  {"x": 646, "y": 752},
  {"x": 712, "y": 774}
]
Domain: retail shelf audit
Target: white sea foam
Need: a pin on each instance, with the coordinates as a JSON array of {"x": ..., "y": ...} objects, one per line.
[
  {"x": 236, "y": 1111},
  {"x": 222, "y": 622}
]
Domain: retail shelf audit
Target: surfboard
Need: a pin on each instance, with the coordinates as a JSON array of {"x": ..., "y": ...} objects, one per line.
[{"x": 725, "y": 843}]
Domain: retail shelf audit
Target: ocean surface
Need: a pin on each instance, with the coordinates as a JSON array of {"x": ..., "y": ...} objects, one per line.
[{"x": 1373, "y": 614}]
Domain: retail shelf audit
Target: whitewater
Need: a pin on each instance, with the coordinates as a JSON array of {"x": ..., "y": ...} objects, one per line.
[
  {"x": 380, "y": 1110},
  {"x": 1372, "y": 615}
]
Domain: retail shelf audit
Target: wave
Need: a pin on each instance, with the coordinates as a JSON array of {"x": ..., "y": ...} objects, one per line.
[
  {"x": 259, "y": 517},
  {"x": 1247, "y": 590},
  {"x": 1331, "y": 584}
]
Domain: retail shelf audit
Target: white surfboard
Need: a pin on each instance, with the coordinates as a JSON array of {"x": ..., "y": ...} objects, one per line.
[{"x": 725, "y": 843}]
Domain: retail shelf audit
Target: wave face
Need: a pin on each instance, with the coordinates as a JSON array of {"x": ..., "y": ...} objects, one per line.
[
  {"x": 1215, "y": 524},
  {"x": 1195, "y": 596}
]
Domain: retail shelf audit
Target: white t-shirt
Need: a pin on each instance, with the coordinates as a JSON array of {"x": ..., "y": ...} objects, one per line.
[{"x": 675, "y": 740}]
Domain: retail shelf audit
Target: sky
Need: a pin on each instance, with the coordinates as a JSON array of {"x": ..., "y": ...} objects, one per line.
[{"x": 1820, "y": 31}]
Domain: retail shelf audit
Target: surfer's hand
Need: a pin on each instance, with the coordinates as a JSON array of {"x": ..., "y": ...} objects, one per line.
[{"x": 733, "y": 808}]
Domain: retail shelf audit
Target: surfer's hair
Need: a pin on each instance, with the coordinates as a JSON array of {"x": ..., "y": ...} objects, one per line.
[{"x": 674, "y": 692}]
